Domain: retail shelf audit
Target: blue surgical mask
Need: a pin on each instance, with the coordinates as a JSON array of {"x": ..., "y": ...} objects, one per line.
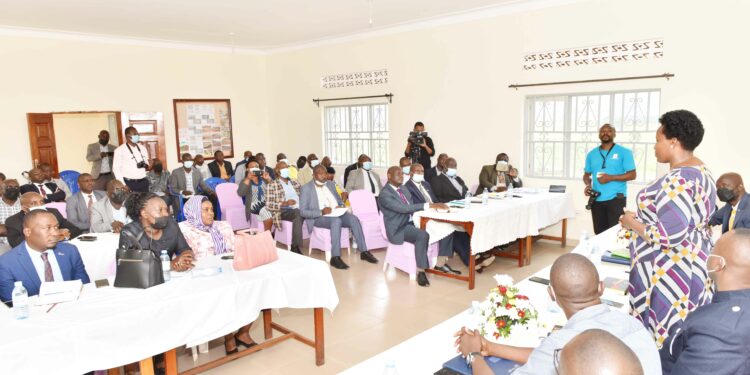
[
  {"x": 188, "y": 164},
  {"x": 367, "y": 165},
  {"x": 135, "y": 138},
  {"x": 284, "y": 173},
  {"x": 314, "y": 163},
  {"x": 451, "y": 172},
  {"x": 406, "y": 169}
]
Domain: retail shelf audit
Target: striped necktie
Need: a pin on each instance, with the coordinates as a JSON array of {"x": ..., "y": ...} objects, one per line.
[{"x": 48, "y": 277}]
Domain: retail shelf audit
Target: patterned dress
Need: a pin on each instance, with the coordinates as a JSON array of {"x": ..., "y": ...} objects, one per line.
[{"x": 669, "y": 277}]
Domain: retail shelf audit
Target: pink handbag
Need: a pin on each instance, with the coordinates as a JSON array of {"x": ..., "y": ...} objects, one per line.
[{"x": 253, "y": 248}]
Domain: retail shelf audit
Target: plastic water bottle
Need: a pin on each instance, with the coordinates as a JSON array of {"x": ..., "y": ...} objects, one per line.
[
  {"x": 390, "y": 368},
  {"x": 166, "y": 265},
  {"x": 485, "y": 197},
  {"x": 467, "y": 200},
  {"x": 20, "y": 301},
  {"x": 583, "y": 243},
  {"x": 509, "y": 192}
]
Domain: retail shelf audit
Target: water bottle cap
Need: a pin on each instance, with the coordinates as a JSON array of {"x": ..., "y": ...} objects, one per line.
[
  {"x": 18, "y": 283},
  {"x": 164, "y": 252}
]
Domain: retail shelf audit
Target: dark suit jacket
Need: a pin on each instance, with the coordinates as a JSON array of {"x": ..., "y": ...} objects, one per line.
[
  {"x": 14, "y": 225},
  {"x": 424, "y": 158},
  {"x": 16, "y": 265},
  {"x": 488, "y": 179},
  {"x": 714, "y": 338},
  {"x": 445, "y": 191},
  {"x": 57, "y": 196},
  {"x": 741, "y": 218},
  {"x": 271, "y": 172},
  {"x": 396, "y": 214},
  {"x": 417, "y": 195},
  {"x": 430, "y": 173},
  {"x": 348, "y": 170},
  {"x": 213, "y": 167},
  {"x": 309, "y": 206}
]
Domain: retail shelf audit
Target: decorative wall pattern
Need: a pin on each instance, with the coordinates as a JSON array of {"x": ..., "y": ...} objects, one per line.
[
  {"x": 370, "y": 78},
  {"x": 594, "y": 55}
]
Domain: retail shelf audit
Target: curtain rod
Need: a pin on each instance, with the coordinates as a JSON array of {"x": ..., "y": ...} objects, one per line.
[
  {"x": 389, "y": 96},
  {"x": 516, "y": 86}
]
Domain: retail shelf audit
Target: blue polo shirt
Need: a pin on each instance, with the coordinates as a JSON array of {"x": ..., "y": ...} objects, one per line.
[{"x": 619, "y": 160}]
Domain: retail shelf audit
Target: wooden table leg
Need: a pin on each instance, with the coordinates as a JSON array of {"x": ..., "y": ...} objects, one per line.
[
  {"x": 147, "y": 366},
  {"x": 113, "y": 371},
  {"x": 529, "y": 239},
  {"x": 170, "y": 362},
  {"x": 521, "y": 255},
  {"x": 320, "y": 355},
  {"x": 564, "y": 236},
  {"x": 472, "y": 270},
  {"x": 267, "y": 320}
]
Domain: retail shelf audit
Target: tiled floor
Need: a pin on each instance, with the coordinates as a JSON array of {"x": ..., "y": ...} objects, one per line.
[{"x": 376, "y": 311}]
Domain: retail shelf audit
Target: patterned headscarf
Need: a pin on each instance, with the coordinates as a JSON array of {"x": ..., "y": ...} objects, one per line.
[{"x": 192, "y": 211}]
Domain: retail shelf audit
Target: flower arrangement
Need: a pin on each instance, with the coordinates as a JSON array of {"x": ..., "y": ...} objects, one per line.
[{"x": 505, "y": 312}]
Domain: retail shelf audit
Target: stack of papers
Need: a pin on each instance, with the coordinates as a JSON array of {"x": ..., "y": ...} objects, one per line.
[
  {"x": 59, "y": 291},
  {"x": 336, "y": 212}
]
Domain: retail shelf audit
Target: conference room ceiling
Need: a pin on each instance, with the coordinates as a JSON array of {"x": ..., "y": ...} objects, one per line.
[{"x": 257, "y": 24}]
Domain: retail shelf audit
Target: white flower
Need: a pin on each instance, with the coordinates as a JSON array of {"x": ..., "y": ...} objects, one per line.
[{"x": 504, "y": 280}]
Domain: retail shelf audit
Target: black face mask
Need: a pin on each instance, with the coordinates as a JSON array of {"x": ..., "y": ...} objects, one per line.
[
  {"x": 103, "y": 142},
  {"x": 12, "y": 193},
  {"x": 119, "y": 197},
  {"x": 725, "y": 195},
  {"x": 158, "y": 168},
  {"x": 160, "y": 222}
]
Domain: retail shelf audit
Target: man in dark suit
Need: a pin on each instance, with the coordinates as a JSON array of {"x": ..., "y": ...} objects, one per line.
[
  {"x": 438, "y": 169},
  {"x": 397, "y": 206},
  {"x": 30, "y": 202},
  {"x": 41, "y": 258},
  {"x": 736, "y": 211},
  {"x": 353, "y": 167},
  {"x": 498, "y": 176},
  {"x": 714, "y": 338},
  {"x": 219, "y": 167},
  {"x": 261, "y": 159},
  {"x": 101, "y": 155},
  {"x": 79, "y": 205},
  {"x": 448, "y": 186},
  {"x": 49, "y": 191}
]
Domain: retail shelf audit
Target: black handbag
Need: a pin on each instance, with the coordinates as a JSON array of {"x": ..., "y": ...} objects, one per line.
[{"x": 136, "y": 267}]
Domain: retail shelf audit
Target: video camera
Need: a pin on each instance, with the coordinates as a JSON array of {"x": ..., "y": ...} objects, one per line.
[
  {"x": 593, "y": 194},
  {"x": 417, "y": 138}
]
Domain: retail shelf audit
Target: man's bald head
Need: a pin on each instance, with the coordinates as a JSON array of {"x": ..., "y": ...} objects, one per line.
[
  {"x": 575, "y": 283},
  {"x": 733, "y": 272},
  {"x": 598, "y": 352},
  {"x": 395, "y": 176},
  {"x": 31, "y": 199}
]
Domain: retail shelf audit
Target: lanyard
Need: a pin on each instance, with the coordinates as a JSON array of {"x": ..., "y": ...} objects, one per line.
[
  {"x": 139, "y": 151},
  {"x": 604, "y": 157}
]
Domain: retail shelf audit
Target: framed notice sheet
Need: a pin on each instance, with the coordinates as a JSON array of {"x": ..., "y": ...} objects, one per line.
[{"x": 203, "y": 126}]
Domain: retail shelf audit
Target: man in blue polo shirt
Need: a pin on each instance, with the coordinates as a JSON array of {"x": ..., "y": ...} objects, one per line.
[{"x": 612, "y": 166}]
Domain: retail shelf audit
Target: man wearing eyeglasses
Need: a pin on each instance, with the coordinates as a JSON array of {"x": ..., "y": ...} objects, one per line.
[{"x": 612, "y": 165}]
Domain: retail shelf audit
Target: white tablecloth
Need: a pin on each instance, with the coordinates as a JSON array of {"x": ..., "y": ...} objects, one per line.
[
  {"x": 503, "y": 220},
  {"x": 98, "y": 256},
  {"x": 111, "y": 327},
  {"x": 426, "y": 352}
]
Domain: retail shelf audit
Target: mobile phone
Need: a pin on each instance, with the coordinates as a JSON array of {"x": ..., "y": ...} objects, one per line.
[
  {"x": 101, "y": 283},
  {"x": 87, "y": 238},
  {"x": 225, "y": 257},
  {"x": 539, "y": 280}
]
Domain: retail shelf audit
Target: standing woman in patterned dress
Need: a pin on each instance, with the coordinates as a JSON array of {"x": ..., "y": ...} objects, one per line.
[{"x": 671, "y": 240}]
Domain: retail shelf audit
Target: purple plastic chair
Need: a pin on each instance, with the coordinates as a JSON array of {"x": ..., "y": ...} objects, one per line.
[
  {"x": 285, "y": 234},
  {"x": 321, "y": 239},
  {"x": 60, "y": 206},
  {"x": 232, "y": 208},
  {"x": 402, "y": 256},
  {"x": 255, "y": 222},
  {"x": 364, "y": 208}
]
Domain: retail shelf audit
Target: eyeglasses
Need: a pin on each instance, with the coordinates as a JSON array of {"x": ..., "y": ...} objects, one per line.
[{"x": 556, "y": 360}]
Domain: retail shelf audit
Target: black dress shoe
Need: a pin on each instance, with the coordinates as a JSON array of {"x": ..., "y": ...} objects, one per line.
[
  {"x": 366, "y": 255},
  {"x": 338, "y": 263},
  {"x": 447, "y": 269},
  {"x": 295, "y": 249},
  {"x": 422, "y": 279}
]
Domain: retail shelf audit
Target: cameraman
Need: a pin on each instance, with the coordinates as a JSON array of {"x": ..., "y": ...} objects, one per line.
[
  {"x": 130, "y": 162},
  {"x": 612, "y": 165},
  {"x": 419, "y": 147}
]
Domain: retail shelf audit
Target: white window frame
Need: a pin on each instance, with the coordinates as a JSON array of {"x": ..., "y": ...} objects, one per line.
[{"x": 362, "y": 140}]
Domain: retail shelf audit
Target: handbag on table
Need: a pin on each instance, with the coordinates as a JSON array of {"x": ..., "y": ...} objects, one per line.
[
  {"x": 253, "y": 248},
  {"x": 136, "y": 267}
]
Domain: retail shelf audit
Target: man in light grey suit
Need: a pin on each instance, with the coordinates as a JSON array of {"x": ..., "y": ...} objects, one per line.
[
  {"x": 100, "y": 155},
  {"x": 397, "y": 208},
  {"x": 364, "y": 178},
  {"x": 185, "y": 181},
  {"x": 317, "y": 199},
  {"x": 109, "y": 214},
  {"x": 79, "y": 205}
]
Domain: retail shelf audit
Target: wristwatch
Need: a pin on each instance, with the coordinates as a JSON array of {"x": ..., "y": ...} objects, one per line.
[{"x": 470, "y": 358}]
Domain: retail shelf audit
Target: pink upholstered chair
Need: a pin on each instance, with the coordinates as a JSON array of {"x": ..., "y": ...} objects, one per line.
[
  {"x": 285, "y": 235},
  {"x": 60, "y": 206},
  {"x": 321, "y": 239},
  {"x": 364, "y": 208},
  {"x": 232, "y": 208},
  {"x": 255, "y": 222},
  {"x": 403, "y": 258}
]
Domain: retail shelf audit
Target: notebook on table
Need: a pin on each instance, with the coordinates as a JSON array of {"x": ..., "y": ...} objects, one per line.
[
  {"x": 611, "y": 258},
  {"x": 458, "y": 365}
]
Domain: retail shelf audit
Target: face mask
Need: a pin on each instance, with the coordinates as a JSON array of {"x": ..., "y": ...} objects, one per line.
[
  {"x": 320, "y": 183},
  {"x": 160, "y": 222},
  {"x": 418, "y": 178},
  {"x": 119, "y": 196},
  {"x": 286, "y": 161},
  {"x": 12, "y": 193},
  {"x": 406, "y": 170},
  {"x": 284, "y": 173},
  {"x": 725, "y": 195},
  {"x": 367, "y": 165},
  {"x": 103, "y": 142},
  {"x": 158, "y": 168},
  {"x": 188, "y": 164},
  {"x": 314, "y": 163},
  {"x": 43, "y": 208},
  {"x": 135, "y": 138},
  {"x": 501, "y": 166},
  {"x": 451, "y": 172}
]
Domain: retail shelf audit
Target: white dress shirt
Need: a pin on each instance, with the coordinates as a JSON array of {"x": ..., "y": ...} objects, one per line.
[
  {"x": 36, "y": 259},
  {"x": 189, "y": 181},
  {"x": 120, "y": 215},
  {"x": 86, "y": 198},
  {"x": 125, "y": 164},
  {"x": 105, "y": 160},
  {"x": 325, "y": 198},
  {"x": 366, "y": 183},
  {"x": 205, "y": 172},
  {"x": 44, "y": 187}
]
